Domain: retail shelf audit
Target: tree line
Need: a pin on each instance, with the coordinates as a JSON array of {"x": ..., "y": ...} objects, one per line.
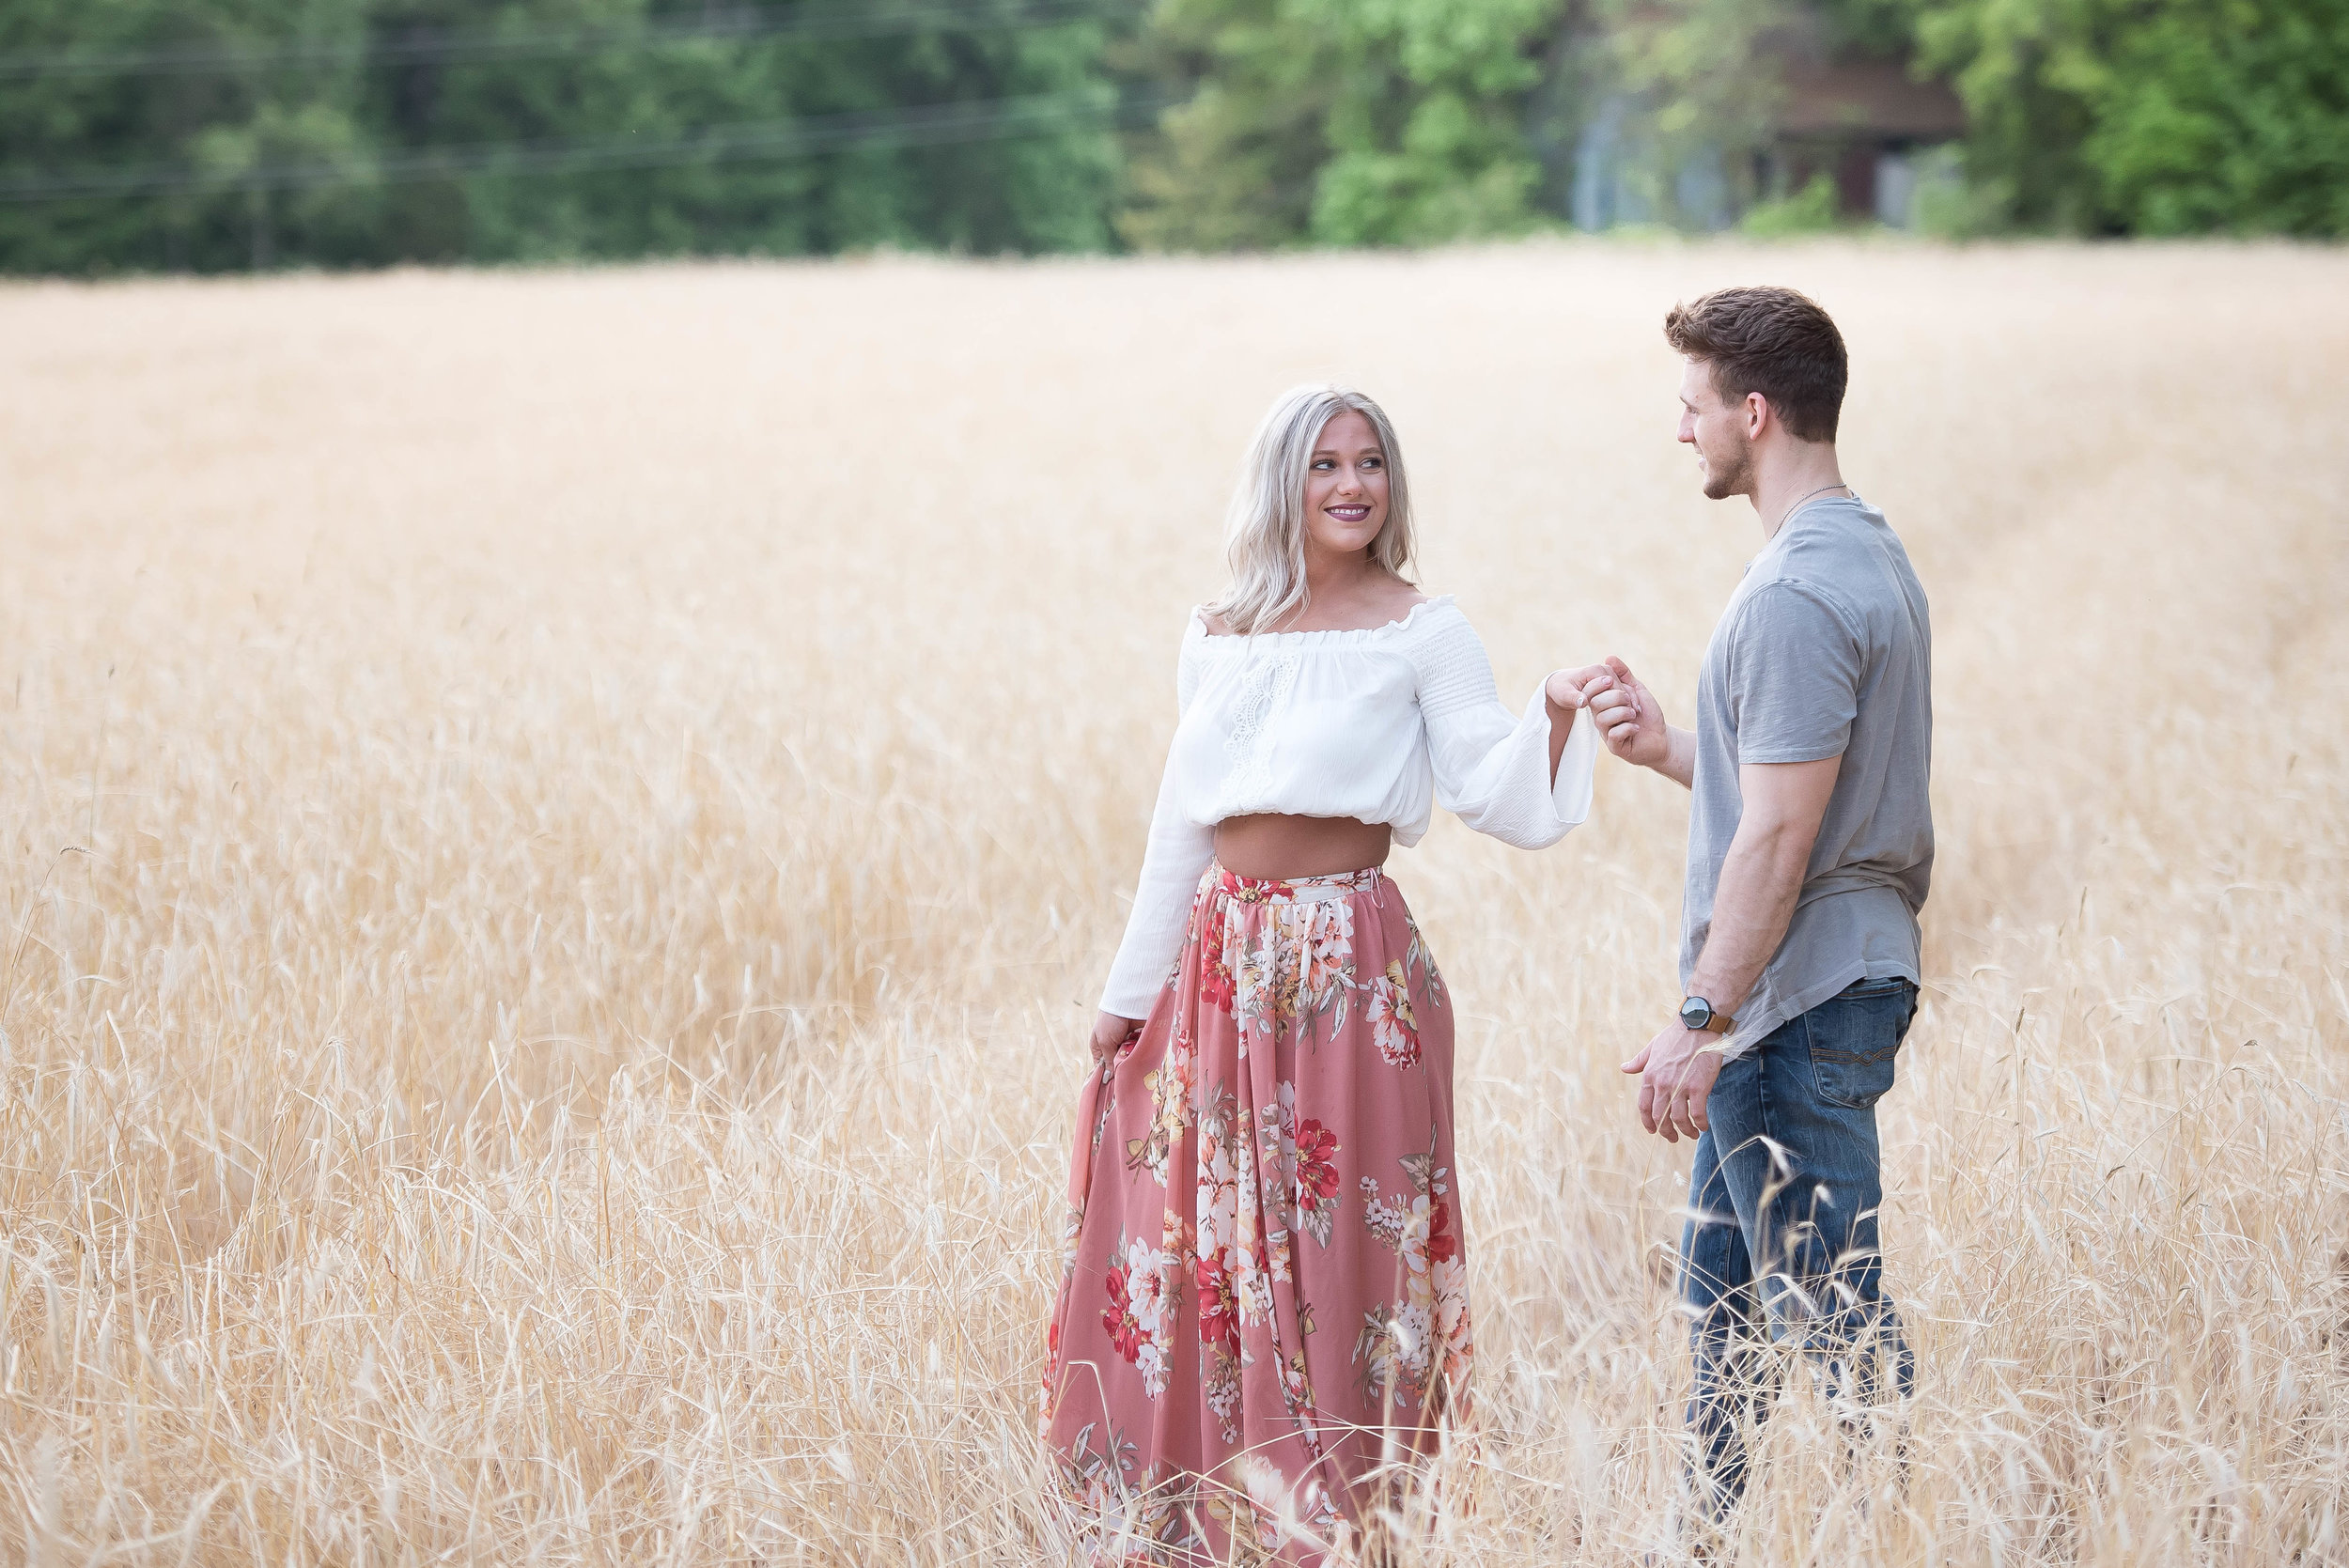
[{"x": 226, "y": 134}]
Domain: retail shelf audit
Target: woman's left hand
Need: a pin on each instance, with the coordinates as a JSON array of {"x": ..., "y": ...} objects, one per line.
[
  {"x": 1565, "y": 687},
  {"x": 1111, "y": 1032}
]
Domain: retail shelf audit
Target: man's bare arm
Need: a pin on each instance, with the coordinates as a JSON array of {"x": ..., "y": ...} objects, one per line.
[
  {"x": 1761, "y": 879},
  {"x": 1762, "y": 876}
]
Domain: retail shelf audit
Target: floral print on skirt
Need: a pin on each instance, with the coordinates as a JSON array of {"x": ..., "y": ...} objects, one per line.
[{"x": 1263, "y": 1315}]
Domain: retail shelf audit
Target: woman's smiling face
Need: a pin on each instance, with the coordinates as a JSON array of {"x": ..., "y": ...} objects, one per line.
[{"x": 1346, "y": 486}]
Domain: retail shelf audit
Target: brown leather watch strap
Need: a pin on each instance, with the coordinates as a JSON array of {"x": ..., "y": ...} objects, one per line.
[{"x": 1717, "y": 1021}]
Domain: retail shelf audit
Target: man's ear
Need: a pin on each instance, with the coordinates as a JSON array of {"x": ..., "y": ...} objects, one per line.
[{"x": 1757, "y": 415}]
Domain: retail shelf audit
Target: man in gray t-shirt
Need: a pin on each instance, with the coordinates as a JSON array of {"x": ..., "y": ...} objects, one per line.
[
  {"x": 1823, "y": 652},
  {"x": 1810, "y": 852}
]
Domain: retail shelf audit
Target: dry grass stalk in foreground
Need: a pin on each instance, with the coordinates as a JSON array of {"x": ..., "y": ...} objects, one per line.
[{"x": 562, "y": 826}]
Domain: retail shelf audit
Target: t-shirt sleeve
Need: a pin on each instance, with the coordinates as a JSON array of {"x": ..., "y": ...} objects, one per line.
[{"x": 1793, "y": 675}]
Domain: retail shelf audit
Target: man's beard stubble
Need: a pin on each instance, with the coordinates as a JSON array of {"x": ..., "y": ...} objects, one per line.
[{"x": 1725, "y": 478}]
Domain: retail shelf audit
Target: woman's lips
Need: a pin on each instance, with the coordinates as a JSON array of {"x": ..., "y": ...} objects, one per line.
[{"x": 1347, "y": 514}]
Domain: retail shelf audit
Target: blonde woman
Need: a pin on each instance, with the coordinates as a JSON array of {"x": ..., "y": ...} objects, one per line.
[{"x": 1263, "y": 1313}]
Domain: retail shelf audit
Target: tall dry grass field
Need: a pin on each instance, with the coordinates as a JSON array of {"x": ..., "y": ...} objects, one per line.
[{"x": 562, "y": 830}]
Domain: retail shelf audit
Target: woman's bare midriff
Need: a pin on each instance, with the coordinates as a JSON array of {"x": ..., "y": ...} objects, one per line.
[{"x": 1283, "y": 848}]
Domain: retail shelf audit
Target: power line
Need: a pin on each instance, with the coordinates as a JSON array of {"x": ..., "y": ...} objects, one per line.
[
  {"x": 933, "y": 125},
  {"x": 812, "y": 21}
]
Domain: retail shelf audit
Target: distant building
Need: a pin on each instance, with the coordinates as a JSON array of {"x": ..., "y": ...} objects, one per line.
[
  {"x": 1867, "y": 124},
  {"x": 1864, "y": 123}
]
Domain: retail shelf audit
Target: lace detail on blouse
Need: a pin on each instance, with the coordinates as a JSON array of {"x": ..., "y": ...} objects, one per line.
[{"x": 1263, "y": 690}]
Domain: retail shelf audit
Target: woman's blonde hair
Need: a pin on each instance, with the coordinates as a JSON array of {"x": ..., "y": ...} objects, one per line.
[{"x": 1266, "y": 528}]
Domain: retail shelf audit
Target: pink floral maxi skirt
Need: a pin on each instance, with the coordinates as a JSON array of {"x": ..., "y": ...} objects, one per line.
[{"x": 1263, "y": 1313}]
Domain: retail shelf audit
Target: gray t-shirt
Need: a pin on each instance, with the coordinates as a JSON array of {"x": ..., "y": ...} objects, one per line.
[{"x": 1826, "y": 650}]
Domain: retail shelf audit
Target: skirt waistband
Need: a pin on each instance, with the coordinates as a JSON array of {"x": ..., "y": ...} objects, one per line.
[{"x": 1293, "y": 890}]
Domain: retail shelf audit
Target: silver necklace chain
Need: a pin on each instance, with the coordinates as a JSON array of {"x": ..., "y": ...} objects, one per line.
[{"x": 1790, "y": 511}]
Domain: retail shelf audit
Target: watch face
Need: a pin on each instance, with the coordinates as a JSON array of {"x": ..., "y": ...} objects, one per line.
[{"x": 1696, "y": 1013}]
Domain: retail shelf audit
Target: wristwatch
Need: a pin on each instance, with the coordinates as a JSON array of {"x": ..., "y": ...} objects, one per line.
[{"x": 1697, "y": 1013}]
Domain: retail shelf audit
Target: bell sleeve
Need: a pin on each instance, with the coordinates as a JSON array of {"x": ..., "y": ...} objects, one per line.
[
  {"x": 1175, "y": 858},
  {"x": 1491, "y": 768}
]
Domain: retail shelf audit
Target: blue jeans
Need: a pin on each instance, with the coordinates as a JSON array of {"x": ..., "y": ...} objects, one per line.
[{"x": 1780, "y": 1252}]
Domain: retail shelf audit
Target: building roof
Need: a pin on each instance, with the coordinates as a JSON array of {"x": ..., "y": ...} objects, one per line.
[{"x": 1867, "y": 98}]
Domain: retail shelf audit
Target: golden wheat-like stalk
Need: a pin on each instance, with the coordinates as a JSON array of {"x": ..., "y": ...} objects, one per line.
[{"x": 563, "y": 828}]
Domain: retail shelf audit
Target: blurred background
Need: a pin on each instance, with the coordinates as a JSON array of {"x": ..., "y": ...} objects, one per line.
[{"x": 225, "y": 135}]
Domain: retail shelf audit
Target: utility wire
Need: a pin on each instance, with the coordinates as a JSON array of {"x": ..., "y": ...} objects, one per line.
[
  {"x": 826, "y": 20},
  {"x": 931, "y": 126}
]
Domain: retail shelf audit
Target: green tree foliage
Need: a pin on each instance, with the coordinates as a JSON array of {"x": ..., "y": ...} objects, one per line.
[
  {"x": 215, "y": 124},
  {"x": 1346, "y": 121},
  {"x": 1407, "y": 121},
  {"x": 1808, "y": 210},
  {"x": 1416, "y": 121},
  {"x": 1703, "y": 89},
  {"x": 1700, "y": 63},
  {"x": 1434, "y": 145},
  {"x": 2153, "y": 116},
  {"x": 1235, "y": 167},
  {"x": 349, "y": 120},
  {"x": 1330, "y": 121}
]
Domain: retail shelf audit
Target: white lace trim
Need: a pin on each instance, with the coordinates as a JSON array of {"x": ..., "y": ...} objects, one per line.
[
  {"x": 1333, "y": 637},
  {"x": 1263, "y": 688}
]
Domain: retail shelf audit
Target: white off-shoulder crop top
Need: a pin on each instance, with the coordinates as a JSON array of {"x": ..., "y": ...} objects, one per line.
[{"x": 1372, "y": 724}]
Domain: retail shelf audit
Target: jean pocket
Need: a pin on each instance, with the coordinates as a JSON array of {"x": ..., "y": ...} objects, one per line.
[{"x": 1854, "y": 1041}]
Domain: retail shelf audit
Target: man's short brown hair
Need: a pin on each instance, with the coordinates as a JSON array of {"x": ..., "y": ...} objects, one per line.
[{"x": 1772, "y": 341}]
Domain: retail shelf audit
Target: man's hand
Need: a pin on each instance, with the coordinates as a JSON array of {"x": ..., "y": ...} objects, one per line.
[
  {"x": 1110, "y": 1035},
  {"x": 1631, "y": 721},
  {"x": 1628, "y": 715},
  {"x": 1676, "y": 1073}
]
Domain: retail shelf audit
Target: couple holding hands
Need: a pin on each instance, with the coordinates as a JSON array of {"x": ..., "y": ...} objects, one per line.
[{"x": 1263, "y": 1322}]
